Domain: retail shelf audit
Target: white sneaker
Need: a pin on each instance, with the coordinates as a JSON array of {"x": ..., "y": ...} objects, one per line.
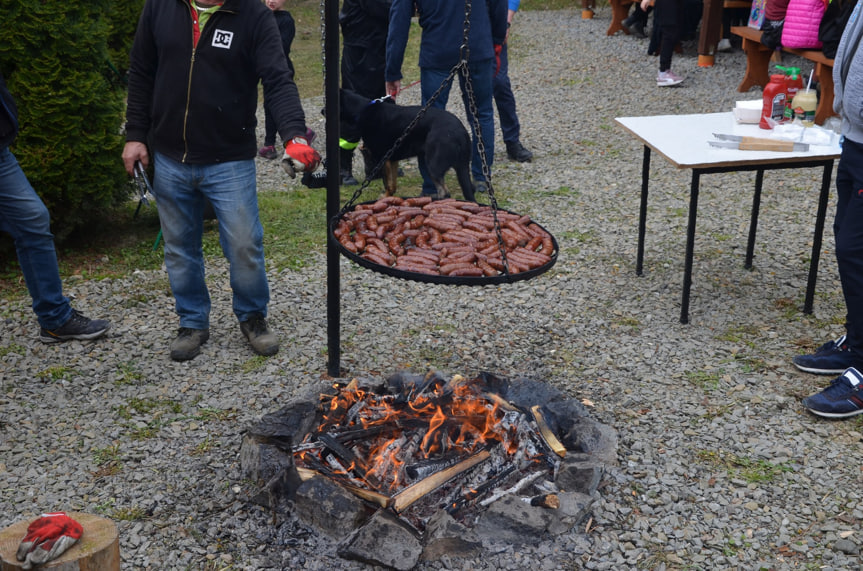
[
  {"x": 724, "y": 45},
  {"x": 667, "y": 79}
]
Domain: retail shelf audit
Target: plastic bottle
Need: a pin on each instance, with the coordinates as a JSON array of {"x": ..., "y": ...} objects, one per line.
[
  {"x": 773, "y": 105},
  {"x": 793, "y": 84},
  {"x": 804, "y": 105}
]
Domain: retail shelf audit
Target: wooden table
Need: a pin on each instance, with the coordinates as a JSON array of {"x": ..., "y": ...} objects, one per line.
[{"x": 682, "y": 141}]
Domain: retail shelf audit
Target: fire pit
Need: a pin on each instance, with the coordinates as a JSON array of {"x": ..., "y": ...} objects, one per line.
[{"x": 439, "y": 465}]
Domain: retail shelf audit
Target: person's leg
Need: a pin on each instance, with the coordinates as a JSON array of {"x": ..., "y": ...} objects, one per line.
[
  {"x": 25, "y": 217},
  {"x": 848, "y": 231},
  {"x": 505, "y": 100},
  {"x": 668, "y": 14},
  {"x": 181, "y": 210},
  {"x": 230, "y": 187},
  {"x": 481, "y": 83},
  {"x": 430, "y": 81}
]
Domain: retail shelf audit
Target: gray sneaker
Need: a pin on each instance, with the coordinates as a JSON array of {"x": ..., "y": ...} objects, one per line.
[
  {"x": 188, "y": 343},
  {"x": 263, "y": 341}
]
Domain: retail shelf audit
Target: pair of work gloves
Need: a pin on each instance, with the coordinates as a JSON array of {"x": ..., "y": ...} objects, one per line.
[
  {"x": 47, "y": 538},
  {"x": 299, "y": 157}
]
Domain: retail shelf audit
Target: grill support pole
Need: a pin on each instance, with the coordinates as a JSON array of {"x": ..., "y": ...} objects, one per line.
[{"x": 331, "y": 93}]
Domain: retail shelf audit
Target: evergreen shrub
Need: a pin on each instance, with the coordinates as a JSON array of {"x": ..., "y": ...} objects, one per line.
[{"x": 54, "y": 55}]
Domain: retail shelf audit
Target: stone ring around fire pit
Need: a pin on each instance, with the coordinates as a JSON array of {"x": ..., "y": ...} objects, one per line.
[{"x": 436, "y": 465}]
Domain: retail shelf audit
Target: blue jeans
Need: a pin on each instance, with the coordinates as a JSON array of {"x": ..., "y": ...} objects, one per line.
[
  {"x": 505, "y": 101},
  {"x": 25, "y": 217},
  {"x": 480, "y": 77},
  {"x": 180, "y": 190}
]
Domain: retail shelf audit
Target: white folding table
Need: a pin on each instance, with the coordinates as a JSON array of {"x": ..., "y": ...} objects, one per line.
[{"x": 683, "y": 141}]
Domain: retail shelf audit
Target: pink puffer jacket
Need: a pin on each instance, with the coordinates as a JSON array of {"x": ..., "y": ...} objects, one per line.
[{"x": 801, "y": 24}]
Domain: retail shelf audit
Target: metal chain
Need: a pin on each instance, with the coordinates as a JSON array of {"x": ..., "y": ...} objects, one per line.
[
  {"x": 471, "y": 98},
  {"x": 324, "y": 50}
]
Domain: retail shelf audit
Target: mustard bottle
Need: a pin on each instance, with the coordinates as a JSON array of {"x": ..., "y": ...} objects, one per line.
[{"x": 804, "y": 104}]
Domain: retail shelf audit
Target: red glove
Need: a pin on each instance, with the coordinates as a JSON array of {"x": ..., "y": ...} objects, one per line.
[
  {"x": 497, "y": 49},
  {"x": 47, "y": 538},
  {"x": 299, "y": 157}
]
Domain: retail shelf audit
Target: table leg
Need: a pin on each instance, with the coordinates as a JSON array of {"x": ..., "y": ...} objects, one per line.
[
  {"x": 642, "y": 213},
  {"x": 690, "y": 245},
  {"x": 816, "y": 238},
  {"x": 753, "y": 221}
]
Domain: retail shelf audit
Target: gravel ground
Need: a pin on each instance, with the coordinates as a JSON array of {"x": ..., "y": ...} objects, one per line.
[{"x": 719, "y": 465}]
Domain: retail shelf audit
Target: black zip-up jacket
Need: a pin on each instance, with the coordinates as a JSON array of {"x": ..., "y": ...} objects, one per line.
[
  {"x": 8, "y": 116},
  {"x": 197, "y": 104}
]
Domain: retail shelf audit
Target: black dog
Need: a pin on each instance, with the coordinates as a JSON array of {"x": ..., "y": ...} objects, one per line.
[{"x": 438, "y": 136}]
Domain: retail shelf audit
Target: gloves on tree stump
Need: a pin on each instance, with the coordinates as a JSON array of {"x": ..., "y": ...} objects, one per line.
[{"x": 47, "y": 538}]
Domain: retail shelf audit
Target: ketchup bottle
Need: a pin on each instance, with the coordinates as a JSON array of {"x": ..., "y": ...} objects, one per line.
[{"x": 774, "y": 98}]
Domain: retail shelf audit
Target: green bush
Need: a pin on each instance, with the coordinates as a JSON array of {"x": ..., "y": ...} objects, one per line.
[
  {"x": 55, "y": 60},
  {"x": 124, "y": 16}
]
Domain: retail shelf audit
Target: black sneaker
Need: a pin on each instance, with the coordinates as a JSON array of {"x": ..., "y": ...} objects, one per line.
[
  {"x": 832, "y": 358},
  {"x": 263, "y": 341},
  {"x": 76, "y": 327},
  {"x": 842, "y": 399},
  {"x": 347, "y": 178},
  {"x": 188, "y": 343},
  {"x": 516, "y": 152}
]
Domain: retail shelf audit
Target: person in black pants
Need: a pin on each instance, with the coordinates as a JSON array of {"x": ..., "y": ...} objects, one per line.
[
  {"x": 843, "y": 398},
  {"x": 505, "y": 100},
  {"x": 668, "y": 15},
  {"x": 364, "y": 25}
]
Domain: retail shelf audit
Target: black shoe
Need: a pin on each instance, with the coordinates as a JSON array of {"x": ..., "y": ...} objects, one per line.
[
  {"x": 76, "y": 327},
  {"x": 637, "y": 29},
  {"x": 262, "y": 339},
  {"x": 516, "y": 152},
  {"x": 347, "y": 178},
  {"x": 188, "y": 343},
  {"x": 315, "y": 179}
]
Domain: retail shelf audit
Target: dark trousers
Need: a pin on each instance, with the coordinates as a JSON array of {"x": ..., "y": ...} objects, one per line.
[
  {"x": 848, "y": 231},
  {"x": 667, "y": 16},
  {"x": 362, "y": 72},
  {"x": 505, "y": 101}
]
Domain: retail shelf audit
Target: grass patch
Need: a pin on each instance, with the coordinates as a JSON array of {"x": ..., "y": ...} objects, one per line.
[
  {"x": 56, "y": 373},
  {"x": 747, "y": 469},
  {"x": 706, "y": 381}
]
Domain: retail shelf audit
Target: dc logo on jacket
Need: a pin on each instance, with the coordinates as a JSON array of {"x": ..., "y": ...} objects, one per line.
[{"x": 222, "y": 39}]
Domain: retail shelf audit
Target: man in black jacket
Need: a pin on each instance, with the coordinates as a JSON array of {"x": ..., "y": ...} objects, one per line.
[
  {"x": 25, "y": 217},
  {"x": 193, "y": 93}
]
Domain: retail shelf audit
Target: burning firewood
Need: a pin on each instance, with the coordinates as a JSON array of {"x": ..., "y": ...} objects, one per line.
[
  {"x": 412, "y": 493},
  {"x": 550, "y": 501},
  {"x": 547, "y": 434}
]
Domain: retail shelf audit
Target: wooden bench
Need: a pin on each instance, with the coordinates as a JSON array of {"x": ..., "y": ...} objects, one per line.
[
  {"x": 758, "y": 61},
  {"x": 619, "y": 12}
]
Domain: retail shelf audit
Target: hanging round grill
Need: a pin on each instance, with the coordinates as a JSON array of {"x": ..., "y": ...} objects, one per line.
[{"x": 445, "y": 241}]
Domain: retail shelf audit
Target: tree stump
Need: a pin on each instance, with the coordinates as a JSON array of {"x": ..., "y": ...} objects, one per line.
[{"x": 97, "y": 550}]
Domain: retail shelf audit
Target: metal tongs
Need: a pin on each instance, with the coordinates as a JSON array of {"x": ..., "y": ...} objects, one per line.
[
  {"x": 145, "y": 190},
  {"x": 757, "y": 144}
]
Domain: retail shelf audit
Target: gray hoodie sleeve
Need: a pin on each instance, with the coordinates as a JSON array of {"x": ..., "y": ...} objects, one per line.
[{"x": 848, "y": 78}]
